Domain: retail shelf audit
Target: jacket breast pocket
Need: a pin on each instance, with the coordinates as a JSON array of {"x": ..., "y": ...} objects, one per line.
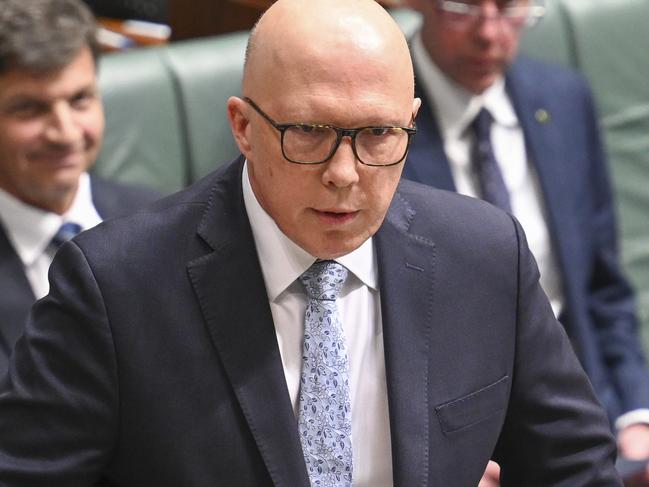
[{"x": 473, "y": 408}]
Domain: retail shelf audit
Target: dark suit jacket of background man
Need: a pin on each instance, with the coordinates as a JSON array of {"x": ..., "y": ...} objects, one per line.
[
  {"x": 567, "y": 153},
  {"x": 16, "y": 296},
  {"x": 154, "y": 360}
]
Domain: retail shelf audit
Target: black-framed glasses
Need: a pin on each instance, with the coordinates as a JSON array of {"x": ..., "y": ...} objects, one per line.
[
  {"x": 515, "y": 13},
  {"x": 312, "y": 143}
]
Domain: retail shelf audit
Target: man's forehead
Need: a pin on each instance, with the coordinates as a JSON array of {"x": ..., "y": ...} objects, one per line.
[
  {"x": 367, "y": 59},
  {"x": 334, "y": 105},
  {"x": 27, "y": 84}
]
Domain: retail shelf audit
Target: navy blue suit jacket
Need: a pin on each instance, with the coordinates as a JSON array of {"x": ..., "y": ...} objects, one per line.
[
  {"x": 110, "y": 200},
  {"x": 567, "y": 154},
  {"x": 154, "y": 359}
]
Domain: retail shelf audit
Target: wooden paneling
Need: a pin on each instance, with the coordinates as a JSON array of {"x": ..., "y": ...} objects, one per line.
[{"x": 199, "y": 18}]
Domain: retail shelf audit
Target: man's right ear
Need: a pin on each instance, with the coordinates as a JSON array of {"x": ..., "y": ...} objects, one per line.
[{"x": 239, "y": 124}]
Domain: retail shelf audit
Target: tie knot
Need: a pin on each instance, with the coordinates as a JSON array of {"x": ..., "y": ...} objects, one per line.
[
  {"x": 324, "y": 280},
  {"x": 482, "y": 123},
  {"x": 65, "y": 233}
]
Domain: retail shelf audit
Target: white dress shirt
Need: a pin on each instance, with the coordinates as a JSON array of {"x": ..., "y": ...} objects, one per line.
[
  {"x": 455, "y": 109},
  {"x": 30, "y": 230},
  {"x": 282, "y": 263}
]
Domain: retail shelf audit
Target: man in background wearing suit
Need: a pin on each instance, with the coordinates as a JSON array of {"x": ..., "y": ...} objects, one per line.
[
  {"x": 301, "y": 317},
  {"x": 550, "y": 172},
  {"x": 51, "y": 125}
]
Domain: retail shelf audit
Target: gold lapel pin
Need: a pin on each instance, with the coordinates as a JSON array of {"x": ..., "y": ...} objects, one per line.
[{"x": 542, "y": 115}]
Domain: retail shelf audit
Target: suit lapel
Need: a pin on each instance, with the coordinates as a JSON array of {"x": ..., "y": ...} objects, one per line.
[
  {"x": 230, "y": 288},
  {"x": 543, "y": 139},
  {"x": 427, "y": 162},
  {"x": 16, "y": 298},
  {"x": 406, "y": 264}
]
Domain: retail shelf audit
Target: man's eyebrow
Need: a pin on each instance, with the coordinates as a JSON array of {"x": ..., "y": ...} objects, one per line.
[
  {"x": 90, "y": 88},
  {"x": 19, "y": 98},
  {"x": 85, "y": 90}
]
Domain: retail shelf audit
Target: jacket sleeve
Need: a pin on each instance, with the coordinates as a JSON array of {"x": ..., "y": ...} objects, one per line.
[
  {"x": 59, "y": 402},
  {"x": 555, "y": 433}
]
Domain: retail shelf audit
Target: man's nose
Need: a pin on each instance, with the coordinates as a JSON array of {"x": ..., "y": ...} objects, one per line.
[
  {"x": 62, "y": 125},
  {"x": 490, "y": 22},
  {"x": 341, "y": 170}
]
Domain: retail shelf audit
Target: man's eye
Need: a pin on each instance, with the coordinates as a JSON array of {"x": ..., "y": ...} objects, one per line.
[
  {"x": 27, "y": 109},
  {"x": 312, "y": 129},
  {"x": 82, "y": 100},
  {"x": 378, "y": 131}
]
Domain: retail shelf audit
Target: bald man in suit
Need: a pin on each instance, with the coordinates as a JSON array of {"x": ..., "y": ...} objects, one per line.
[{"x": 193, "y": 323}]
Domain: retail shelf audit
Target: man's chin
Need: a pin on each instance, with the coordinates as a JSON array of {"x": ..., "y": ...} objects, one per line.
[
  {"x": 56, "y": 195},
  {"x": 331, "y": 248}
]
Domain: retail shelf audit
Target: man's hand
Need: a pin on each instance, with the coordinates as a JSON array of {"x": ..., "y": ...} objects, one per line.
[
  {"x": 491, "y": 477},
  {"x": 633, "y": 443}
]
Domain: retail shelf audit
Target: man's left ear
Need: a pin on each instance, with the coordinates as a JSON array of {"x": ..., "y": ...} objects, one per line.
[{"x": 239, "y": 124}]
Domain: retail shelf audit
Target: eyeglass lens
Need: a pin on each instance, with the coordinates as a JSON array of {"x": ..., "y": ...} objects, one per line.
[
  {"x": 316, "y": 143},
  {"x": 516, "y": 13}
]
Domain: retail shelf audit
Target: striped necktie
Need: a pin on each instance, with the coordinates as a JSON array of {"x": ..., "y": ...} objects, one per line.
[{"x": 492, "y": 184}]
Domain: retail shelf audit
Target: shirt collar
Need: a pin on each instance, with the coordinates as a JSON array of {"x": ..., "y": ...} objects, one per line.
[
  {"x": 283, "y": 262},
  {"x": 31, "y": 229},
  {"x": 454, "y": 106},
  {"x": 83, "y": 210}
]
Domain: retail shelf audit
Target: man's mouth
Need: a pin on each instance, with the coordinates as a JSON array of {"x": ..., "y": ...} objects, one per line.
[
  {"x": 336, "y": 217},
  {"x": 58, "y": 157}
]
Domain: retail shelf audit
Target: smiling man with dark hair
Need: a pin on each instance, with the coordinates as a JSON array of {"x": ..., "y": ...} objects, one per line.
[{"x": 51, "y": 127}]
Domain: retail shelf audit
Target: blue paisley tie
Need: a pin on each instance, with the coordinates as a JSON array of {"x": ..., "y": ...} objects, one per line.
[{"x": 324, "y": 415}]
